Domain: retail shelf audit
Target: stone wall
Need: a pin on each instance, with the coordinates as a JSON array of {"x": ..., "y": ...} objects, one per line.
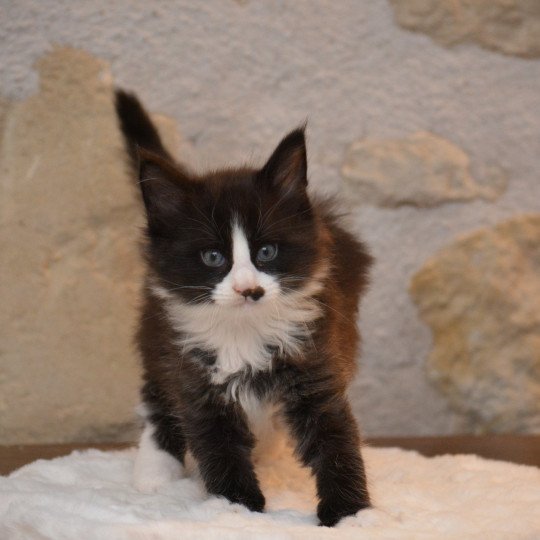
[{"x": 423, "y": 118}]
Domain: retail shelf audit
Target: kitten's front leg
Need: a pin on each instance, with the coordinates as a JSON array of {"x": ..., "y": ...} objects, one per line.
[
  {"x": 327, "y": 441},
  {"x": 221, "y": 442}
]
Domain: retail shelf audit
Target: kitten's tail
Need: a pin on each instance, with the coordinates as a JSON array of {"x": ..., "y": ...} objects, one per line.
[{"x": 138, "y": 129}]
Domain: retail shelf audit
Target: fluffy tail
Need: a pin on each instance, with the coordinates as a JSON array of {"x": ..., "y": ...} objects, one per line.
[{"x": 138, "y": 129}]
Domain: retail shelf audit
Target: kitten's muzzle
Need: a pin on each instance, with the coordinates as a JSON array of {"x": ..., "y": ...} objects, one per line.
[{"x": 255, "y": 293}]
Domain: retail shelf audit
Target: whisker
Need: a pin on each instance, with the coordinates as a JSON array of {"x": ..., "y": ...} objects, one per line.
[
  {"x": 201, "y": 287},
  {"x": 197, "y": 298},
  {"x": 291, "y": 216},
  {"x": 185, "y": 286},
  {"x": 323, "y": 304},
  {"x": 271, "y": 210}
]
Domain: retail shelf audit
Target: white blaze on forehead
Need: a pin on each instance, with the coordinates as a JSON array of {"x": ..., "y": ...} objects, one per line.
[{"x": 243, "y": 273}]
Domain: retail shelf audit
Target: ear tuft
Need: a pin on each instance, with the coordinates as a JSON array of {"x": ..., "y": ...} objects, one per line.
[{"x": 287, "y": 167}]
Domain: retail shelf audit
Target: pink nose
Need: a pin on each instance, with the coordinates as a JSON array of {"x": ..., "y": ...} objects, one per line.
[{"x": 254, "y": 294}]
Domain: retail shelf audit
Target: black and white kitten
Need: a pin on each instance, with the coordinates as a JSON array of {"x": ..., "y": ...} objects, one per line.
[{"x": 251, "y": 300}]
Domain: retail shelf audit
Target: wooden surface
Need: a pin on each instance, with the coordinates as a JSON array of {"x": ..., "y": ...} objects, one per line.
[{"x": 523, "y": 449}]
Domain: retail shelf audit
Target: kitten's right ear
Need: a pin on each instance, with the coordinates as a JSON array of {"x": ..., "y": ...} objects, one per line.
[{"x": 164, "y": 189}]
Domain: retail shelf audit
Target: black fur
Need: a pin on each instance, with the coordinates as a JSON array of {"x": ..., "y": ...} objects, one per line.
[
  {"x": 187, "y": 214},
  {"x": 138, "y": 130}
]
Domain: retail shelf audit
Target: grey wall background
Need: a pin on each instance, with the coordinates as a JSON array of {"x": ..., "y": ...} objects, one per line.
[{"x": 236, "y": 76}]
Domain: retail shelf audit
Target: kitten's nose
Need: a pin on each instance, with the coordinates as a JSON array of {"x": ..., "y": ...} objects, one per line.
[{"x": 254, "y": 294}]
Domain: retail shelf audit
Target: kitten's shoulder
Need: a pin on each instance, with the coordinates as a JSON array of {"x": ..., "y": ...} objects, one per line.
[{"x": 350, "y": 257}]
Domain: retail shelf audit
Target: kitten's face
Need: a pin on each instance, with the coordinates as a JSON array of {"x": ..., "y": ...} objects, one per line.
[{"x": 239, "y": 239}]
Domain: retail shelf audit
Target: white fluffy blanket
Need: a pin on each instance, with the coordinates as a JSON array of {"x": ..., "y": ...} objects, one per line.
[{"x": 88, "y": 495}]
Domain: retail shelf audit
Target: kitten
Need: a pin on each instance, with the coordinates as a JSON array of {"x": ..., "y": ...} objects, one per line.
[{"x": 251, "y": 298}]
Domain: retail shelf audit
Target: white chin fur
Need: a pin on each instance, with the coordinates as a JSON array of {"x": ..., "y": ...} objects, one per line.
[{"x": 240, "y": 335}]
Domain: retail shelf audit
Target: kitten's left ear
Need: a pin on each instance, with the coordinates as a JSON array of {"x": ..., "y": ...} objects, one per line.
[{"x": 287, "y": 167}]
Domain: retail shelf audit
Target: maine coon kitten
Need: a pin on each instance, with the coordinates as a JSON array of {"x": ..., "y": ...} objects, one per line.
[{"x": 251, "y": 298}]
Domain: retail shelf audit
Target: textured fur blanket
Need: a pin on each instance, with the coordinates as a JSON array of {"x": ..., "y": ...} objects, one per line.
[{"x": 89, "y": 495}]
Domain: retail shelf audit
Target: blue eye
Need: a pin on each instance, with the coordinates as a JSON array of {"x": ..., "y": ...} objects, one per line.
[
  {"x": 267, "y": 253},
  {"x": 213, "y": 258}
]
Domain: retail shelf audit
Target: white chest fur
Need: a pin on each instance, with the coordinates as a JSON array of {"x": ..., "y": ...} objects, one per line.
[{"x": 243, "y": 336}]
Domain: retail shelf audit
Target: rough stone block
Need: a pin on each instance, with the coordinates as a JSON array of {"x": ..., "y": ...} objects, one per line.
[
  {"x": 481, "y": 298},
  {"x": 70, "y": 224},
  {"x": 420, "y": 170},
  {"x": 508, "y": 26}
]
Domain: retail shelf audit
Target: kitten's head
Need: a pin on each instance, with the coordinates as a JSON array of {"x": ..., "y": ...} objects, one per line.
[{"x": 236, "y": 238}]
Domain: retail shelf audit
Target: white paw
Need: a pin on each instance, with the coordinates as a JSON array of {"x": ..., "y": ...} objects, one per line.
[
  {"x": 154, "y": 468},
  {"x": 151, "y": 480}
]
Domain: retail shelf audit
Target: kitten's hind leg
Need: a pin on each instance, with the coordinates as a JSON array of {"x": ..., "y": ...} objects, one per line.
[{"x": 155, "y": 466}]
